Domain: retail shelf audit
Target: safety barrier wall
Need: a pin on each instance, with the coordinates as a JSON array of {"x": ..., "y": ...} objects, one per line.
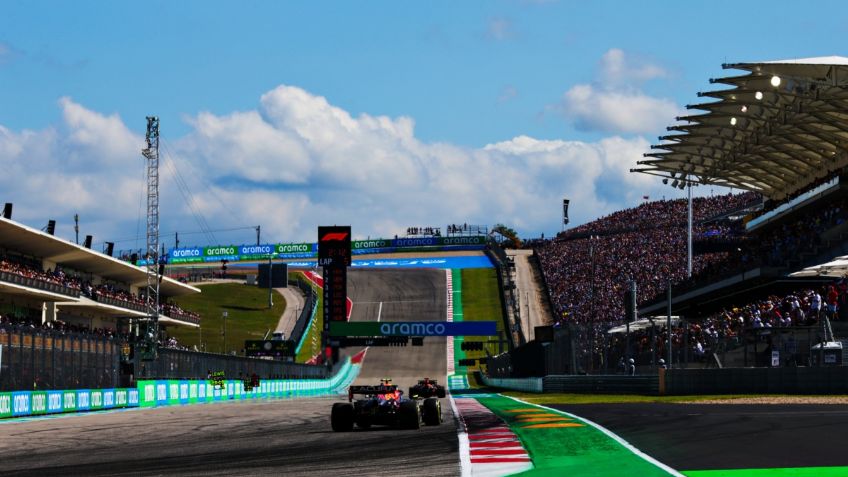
[
  {"x": 174, "y": 392},
  {"x": 169, "y": 392},
  {"x": 305, "y": 318},
  {"x": 601, "y": 384},
  {"x": 34, "y": 403},
  {"x": 530, "y": 385}
]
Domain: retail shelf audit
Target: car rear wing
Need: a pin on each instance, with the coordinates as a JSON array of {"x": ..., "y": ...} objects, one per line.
[{"x": 381, "y": 389}]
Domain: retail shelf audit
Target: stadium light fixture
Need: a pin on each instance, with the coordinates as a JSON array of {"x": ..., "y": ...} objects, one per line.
[
  {"x": 665, "y": 181},
  {"x": 674, "y": 184},
  {"x": 758, "y": 95},
  {"x": 775, "y": 81},
  {"x": 733, "y": 121},
  {"x": 744, "y": 108}
]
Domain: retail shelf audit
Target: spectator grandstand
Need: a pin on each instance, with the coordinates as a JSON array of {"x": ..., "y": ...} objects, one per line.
[{"x": 646, "y": 243}]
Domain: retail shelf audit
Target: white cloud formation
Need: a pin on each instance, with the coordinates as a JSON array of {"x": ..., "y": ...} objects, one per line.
[
  {"x": 618, "y": 69},
  {"x": 298, "y": 161},
  {"x": 615, "y": 103},
  {"x": 7, "y": 53},
  {"x": 508, "y": 93},
  {"x": 499, "y": 29},
  {"x": 615, "y": 111}
]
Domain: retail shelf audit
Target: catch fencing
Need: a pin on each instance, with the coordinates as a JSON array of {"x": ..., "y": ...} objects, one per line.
[
  {"x": 306, "y": 313},
  {"x": 43, "y": 359},
  {"x": 181, "y": 364}
]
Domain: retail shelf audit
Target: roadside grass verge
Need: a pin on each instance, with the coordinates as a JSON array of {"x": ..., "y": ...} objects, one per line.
[
  {"x": 249, "y": 317},
  {"x": 481, "y": 301}
]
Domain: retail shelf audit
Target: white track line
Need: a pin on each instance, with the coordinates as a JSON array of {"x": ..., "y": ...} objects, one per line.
[{"x": 464, "y": 446}]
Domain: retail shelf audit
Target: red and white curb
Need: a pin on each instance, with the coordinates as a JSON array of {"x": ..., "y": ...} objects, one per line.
[{"x": 487, "y": 446}]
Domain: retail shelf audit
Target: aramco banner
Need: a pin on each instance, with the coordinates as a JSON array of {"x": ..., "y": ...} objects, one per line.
[
  {"x": 236, "y": 253},
  {"x": 416, "y": 328},
  {"x": 241, "y": 252}
]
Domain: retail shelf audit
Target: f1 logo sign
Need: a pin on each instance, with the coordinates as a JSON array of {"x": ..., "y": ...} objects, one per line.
[
  {"x": 334, "y": 236},
  {"x": 334, "y": 246}
]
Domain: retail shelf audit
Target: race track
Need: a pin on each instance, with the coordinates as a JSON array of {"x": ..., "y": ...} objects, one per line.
[
  {"x": 396, "y": 295},
  {"x": 275, "y": 437}
]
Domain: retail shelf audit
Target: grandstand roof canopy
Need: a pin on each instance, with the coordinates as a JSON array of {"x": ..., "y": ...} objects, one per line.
[
  {"x": 20, "y": 238},
  {"x": 838, "y": 267},
  {"x": 780, "y": 126}
]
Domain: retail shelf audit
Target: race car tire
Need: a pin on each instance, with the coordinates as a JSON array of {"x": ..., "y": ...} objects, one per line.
[
  {"x": 341, "y": 418},
  {"x": 410, "y": 415},
  {"x": 440, "y": 391},
  {"x": 432, "y": 412}
]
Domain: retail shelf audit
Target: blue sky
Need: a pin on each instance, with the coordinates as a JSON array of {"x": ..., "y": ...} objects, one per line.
[{"x": 420, "y": 91}]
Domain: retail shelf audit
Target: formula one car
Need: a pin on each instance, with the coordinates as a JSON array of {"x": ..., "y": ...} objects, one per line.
[
  {"x": 383, "y": 405},
  {"x": 427, "y": 388}
]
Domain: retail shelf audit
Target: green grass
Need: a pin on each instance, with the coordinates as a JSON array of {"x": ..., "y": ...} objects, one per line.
[
  {"x": 564, "y": 398},
  {"x": 312, "y": 340},
  {"x": 248, "y": 316},
  {"x": 481, "y": 301}
]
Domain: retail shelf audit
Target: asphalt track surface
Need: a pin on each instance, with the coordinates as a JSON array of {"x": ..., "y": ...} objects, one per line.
[
  {"x": 273, "y": 437},
  {"x": 397, "y": 295},
  {"x": 727, "y": 436}
]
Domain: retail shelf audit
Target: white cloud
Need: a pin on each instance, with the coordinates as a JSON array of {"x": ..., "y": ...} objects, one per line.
[
  {"x": 616, "y": 111},
  {"x": 298, "y": 161},
  {"x": 6, "y": 52},
  {"x": 508, "y": 93},
  {"x": 616, "y": 68},
  {"x": 615, "y": 103},
  {"x": 499, "y": 29}
]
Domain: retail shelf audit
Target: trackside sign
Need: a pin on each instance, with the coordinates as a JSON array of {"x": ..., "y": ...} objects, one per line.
[{"x": 414, "y": 328}]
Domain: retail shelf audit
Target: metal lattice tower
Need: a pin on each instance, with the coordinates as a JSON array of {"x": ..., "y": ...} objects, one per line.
[{"x": 151, "y": 153}]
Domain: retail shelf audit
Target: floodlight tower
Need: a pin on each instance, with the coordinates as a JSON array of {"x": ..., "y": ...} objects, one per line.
[{"x": 151, "y": 153}]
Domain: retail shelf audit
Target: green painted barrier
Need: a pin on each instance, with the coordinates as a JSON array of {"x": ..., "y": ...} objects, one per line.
[
  {"x": 5, "y": 405},
  {"x": 38, "y": 403}
]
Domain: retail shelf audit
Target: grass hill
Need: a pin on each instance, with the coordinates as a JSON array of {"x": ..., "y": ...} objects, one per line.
[{"x": 248, "y": 316}]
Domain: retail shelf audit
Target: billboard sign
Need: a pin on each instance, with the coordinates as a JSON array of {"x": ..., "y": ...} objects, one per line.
[{"x": 409, "y": 328}]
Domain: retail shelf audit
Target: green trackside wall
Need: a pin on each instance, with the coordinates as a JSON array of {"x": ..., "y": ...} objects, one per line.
[{"x": 168, "y": 393}]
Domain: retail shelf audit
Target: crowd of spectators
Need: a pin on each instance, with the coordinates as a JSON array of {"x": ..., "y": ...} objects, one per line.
[
  {"x": 61, "y": 327},
  {"x": 59, "y": 276},
  {"x": 656, "y": 254},
  {"x": 725, "y": 328},
  {"x": 587, "y": 277},
  {"x": 772, "y": 247},
  {"x": 26, "y": 270},
  {"x": 664, "y": 213}
]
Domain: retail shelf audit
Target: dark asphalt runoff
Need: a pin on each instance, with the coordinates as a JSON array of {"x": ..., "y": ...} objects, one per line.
[
  {"x": 269, "y": 437},
  {"x": 728, "y": 436}
]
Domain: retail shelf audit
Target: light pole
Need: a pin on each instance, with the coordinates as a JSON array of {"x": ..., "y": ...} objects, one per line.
[
  {"x": 592, "y": 318},
  {"x": 689, "y": 243},
  {"x": 224, "y": 316},
  {"x": 668, "y": 325}
]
